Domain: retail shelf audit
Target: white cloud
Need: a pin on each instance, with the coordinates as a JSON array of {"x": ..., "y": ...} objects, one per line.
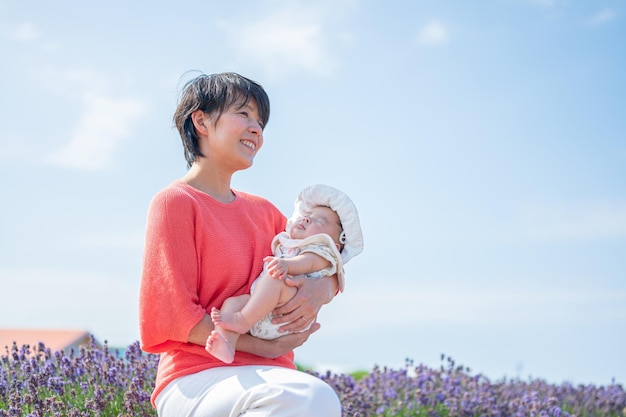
[
  {"x": 433, "y": 34},
  {"x": 105, "y": 124},
  {"x": 288, "y": 40},
  {"x": 93, "y": 132},
  {"x": 74, "y": 83},
  {"x": 26, "y": 32},
  {"x": 602, "y": 17},
  {"x": 575, "y": 222}
]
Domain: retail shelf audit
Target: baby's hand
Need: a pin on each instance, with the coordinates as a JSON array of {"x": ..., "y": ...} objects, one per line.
[{"x": 276, "y": 267}]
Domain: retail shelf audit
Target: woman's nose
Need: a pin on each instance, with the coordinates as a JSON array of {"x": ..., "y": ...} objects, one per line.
[{"x": 255, "y": 127}]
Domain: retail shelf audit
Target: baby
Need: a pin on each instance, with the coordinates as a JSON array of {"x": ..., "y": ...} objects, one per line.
[{"x": 322, "y": 234}]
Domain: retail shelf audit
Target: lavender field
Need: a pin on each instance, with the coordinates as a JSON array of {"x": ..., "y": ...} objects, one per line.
[{"x": 99, "y": 382}]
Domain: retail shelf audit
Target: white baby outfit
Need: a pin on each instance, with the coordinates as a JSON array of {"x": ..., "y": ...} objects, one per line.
[{"x": 285, "y": 247}]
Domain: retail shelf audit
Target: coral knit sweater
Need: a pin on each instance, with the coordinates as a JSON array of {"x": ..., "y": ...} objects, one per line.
[{"x": 198, "y": 252}]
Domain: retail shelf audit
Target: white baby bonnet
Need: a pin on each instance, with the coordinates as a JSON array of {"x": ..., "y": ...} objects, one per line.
[{"x": 324, "y": 195}]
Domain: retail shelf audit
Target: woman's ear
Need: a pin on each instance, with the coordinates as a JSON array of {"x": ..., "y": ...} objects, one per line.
[{"x": 200, "y": 121}]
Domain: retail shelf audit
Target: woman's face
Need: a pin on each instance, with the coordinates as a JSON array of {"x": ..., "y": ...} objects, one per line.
[{"x": 235, "y": 138}]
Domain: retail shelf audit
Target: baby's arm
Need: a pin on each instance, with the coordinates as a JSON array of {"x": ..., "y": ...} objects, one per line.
[{"x": 302, "y": 264}]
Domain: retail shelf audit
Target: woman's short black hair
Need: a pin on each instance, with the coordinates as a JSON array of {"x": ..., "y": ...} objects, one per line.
[{"x": 214, "y": 94}]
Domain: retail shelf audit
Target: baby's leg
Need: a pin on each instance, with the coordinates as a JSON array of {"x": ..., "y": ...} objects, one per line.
[
  {"x": 221, "y": 342},
  {"x": 268, "y": 294}
]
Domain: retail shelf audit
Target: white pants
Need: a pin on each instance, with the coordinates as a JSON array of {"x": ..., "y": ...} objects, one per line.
[{"x": 250, "y": 391}]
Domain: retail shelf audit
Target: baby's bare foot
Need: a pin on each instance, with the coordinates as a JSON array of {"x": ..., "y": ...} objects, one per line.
[
  {"x": 235, "y": 322},
  {"x": 219, "y": 347}
]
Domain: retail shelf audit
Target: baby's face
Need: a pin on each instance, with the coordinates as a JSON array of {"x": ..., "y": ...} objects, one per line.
[{"x": 319, "y": 220}]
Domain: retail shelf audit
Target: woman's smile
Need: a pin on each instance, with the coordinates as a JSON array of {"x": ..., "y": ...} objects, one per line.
[{"x": 249, "y": 144}]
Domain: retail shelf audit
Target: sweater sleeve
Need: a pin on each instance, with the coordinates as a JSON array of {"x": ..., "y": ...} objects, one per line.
[{"x": 168, "y": 300}]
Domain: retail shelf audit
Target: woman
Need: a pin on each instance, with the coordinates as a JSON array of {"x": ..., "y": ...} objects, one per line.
[{"x": 206, "y": 242}]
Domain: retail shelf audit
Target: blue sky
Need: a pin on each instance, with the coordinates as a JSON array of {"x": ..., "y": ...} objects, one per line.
[{"x": 483, "y": 142}]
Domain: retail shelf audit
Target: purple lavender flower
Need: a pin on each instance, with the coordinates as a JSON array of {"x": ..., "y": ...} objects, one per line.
[
  {"x": 95, "y": 381},
  {"x": 452, "y": 390},
  {"x": 92, "y": 381}
]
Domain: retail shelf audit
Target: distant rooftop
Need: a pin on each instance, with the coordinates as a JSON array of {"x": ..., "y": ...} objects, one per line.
[{"x": 62, "y": 339}]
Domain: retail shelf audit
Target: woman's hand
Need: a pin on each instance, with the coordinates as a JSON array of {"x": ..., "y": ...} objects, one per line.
[
  {"x": 302, "y": 309},
  {"x": 275, "y": 347}
]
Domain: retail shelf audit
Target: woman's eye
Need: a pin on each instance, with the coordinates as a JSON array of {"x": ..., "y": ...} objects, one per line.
[{"x": 244, "y": 113}]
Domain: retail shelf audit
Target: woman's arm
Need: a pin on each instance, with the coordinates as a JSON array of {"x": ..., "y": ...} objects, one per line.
[
  {"x": 201, "y": 331},
  {"x": 275, "y": 347},
  {"x": 167, "y": 298},
  {"x": 247, "y": 343}
]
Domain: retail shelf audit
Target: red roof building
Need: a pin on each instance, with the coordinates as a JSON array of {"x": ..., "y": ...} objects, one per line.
[{"x": 54, "y": 339}]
